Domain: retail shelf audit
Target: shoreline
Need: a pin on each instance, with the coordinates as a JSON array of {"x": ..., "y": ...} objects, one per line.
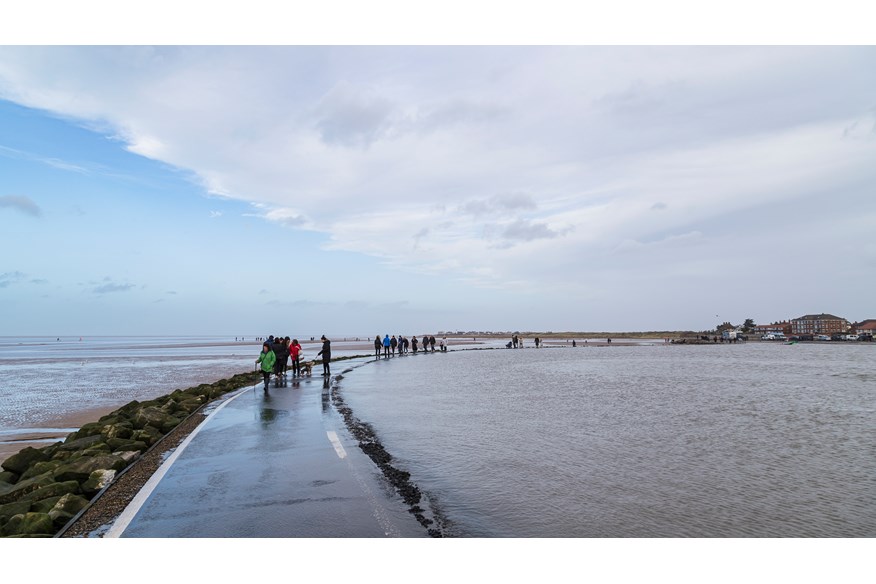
[{"x": 63, "y": 425}]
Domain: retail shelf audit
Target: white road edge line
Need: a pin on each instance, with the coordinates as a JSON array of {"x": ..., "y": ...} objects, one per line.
[
  {"x": 333, "y": 438},
  {"x": 124, "y": 519}
]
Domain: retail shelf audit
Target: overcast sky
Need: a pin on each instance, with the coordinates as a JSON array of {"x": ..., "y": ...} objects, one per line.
[{"x": 374, "y": 190}]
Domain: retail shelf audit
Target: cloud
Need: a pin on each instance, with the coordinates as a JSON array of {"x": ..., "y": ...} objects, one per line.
[
  {"x": 494, "y": 166},
  {"x": 22, "y": 204},
  {"x": 498, "y": 205},
  {"x": 521, "y": 230},
  {"x": 9, "y": 278},
  {"x": 109, "y": 287},
  {"x": 215, "y": 214}
]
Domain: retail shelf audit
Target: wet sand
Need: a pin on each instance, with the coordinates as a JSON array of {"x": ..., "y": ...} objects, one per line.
[{"x": 71, "y": 421}]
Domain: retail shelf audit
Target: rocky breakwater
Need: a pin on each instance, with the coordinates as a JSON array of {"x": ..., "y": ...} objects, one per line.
[{"x": 42, "y": 489}]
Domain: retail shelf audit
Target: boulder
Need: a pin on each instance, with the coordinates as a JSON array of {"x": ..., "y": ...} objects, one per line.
[
  {"x": 128, "y": 456},
  {"x": 90, "y": 429},
  {"x": 170, "y": 423},
  {"x": 29, "y": 524},
  {"x": 80, "y": 443},
  {"x": 118, "y": 430},
  {"x": 79, "y": 470},
  {"x": 122, "y": 444},
  {"x": 44, "y": 505},
  {"x": 97, "y": 481},
  {"x": 149, "y": 416},
  {"x": 8, "y": 477},
  {"x": 19, "y": 490},
  {"x": 53, "y": 490},
  {"x": 40, "y": 468},
  {"x": 66, "y": 509},
  {"x": 148, "y": 435},
  {"x": 95, "y": 449},
  {"x": 23, "y": 460},
  {"x": 10, "y": 509}
]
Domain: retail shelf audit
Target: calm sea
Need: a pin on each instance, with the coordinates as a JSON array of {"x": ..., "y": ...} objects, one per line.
[{"x": 745, "y": 440}]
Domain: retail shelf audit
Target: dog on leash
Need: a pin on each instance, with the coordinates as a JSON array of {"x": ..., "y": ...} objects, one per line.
[{"x": 307, "y": 368}]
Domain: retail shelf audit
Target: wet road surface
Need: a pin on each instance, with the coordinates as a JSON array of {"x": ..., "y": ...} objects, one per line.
[{"x": 275, "y": 464}]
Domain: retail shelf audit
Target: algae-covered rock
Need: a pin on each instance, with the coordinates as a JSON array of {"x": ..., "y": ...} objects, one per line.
[
  {"x": 118, "y": 430},
  {"x": 10, "y": 509},
  {"x": 98, "y": 480},
  {"x": 21, "y": 489},
  {"x": 40, "y": 468},
  {"x": 149, "y": 435},
  {"x": 95, "y": 449},
  {"x": 150, "y": 416},
  {"x": 80, "y": 469},
  {"x": 23, "y": 460},
  {"x": 53, "y": 490},
  {"x": 29, "y": 524},
  {"x": 170, "y": 423},
  {"x": 65, "y": 509},
  {"x": 80, "y": 443},
  {"x": 117, "y": 444},
  {"x": 8, "y": 477},
  {"x": 128, "y": 456},
  {"x": 44, "y": 505}
]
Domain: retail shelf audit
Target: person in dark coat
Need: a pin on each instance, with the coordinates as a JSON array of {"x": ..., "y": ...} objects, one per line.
[{"x": 326, "y": 353}]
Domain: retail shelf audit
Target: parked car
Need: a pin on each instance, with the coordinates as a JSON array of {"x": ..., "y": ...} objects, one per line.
[
  {"x": 851, "y": 337},
  {"x": 773, "y": 337},
  {"x": 822, "y": 338}
]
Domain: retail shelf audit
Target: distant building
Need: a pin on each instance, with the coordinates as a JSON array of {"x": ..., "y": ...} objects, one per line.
[
  {"x": 819, "y": 324},
  {"x": 867, "y": 327},
  {"x": 777, "y": 327}
]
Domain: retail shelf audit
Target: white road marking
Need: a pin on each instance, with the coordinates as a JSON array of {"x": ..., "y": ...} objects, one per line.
[
  {"x": 333, "y": 438},
  {"x": 121, "y": 523}
]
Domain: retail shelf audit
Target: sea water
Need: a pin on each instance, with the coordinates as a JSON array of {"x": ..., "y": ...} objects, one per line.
[
  {"x": 45, "y": 380},
  {"x": 742, "y": 440}
]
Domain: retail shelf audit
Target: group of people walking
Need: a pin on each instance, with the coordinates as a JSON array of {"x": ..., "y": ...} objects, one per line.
[
  {"x": 390, "y": 346},
  {"x": 276, "y": 354}
]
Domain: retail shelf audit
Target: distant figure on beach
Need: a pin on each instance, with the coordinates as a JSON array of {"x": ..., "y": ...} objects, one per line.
[
  {"x": 514, "y": 340},
  {"x": 441, "y": 345},
  {"x": 414, "y": 344},
  {"x": 393, "y": 343},
  {"x": 295, "y": 355},
  {"x": 573, "y": 343},
  {"x": 432, "y": 342},
  {"x": 386, "y": 343},
  {"x": 609, "y": 341},
  {"x": 405, "y": 343},
  {"x": 326, "y": 353},
  {"x": 267, "y": 359},
  {"x": 377, "y": 346},
  {"x": 537, "y": 341}
]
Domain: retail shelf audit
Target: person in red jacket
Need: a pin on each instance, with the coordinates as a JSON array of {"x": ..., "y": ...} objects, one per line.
[{"x": 294, "y": 353}]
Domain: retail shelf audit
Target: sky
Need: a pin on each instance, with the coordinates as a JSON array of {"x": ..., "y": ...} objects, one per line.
[{"x": 363, "y": 190}]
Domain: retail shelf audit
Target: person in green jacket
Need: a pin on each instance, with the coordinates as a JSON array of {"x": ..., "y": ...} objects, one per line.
[{"x": 267, "y": 359}]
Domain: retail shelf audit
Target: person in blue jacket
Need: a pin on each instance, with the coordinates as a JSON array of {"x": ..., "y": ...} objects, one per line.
[{"x": 386, "y": 344}]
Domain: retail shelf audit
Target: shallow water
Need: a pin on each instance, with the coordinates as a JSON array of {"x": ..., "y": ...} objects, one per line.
[
  {"x": 748, "y": 440},
  {"x": 44, "y": 381}
]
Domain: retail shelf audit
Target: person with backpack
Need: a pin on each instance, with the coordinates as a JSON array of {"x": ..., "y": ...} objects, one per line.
[{"x": 386, "y": 343}]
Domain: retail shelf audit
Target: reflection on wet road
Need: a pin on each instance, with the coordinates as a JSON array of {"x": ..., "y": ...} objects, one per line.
[{"x": 276, "y": 463}]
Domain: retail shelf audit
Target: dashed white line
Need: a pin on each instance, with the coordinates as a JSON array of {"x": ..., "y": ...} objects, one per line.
[{"x": 333, "y": 438}]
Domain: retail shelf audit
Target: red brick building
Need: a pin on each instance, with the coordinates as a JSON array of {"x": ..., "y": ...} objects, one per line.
[{"x": 819, "y": 324}]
